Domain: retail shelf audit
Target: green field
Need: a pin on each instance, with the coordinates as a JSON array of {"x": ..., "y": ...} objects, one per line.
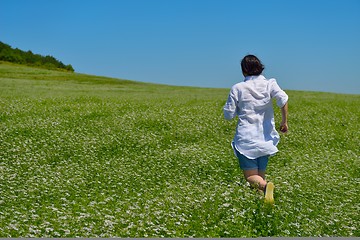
[{"x": 87, "y": 156}]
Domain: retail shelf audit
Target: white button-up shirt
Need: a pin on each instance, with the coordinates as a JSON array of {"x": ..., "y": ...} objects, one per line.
[{"x": 251, "y": 101}]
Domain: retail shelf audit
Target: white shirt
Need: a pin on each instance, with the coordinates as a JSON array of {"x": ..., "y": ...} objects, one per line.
[{"x": 251, "y": 101}]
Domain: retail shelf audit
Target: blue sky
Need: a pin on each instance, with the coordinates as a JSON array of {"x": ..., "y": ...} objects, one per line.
[{"x": 304, "y": 44}]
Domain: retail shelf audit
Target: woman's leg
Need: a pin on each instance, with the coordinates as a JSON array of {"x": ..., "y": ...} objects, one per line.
[
  {"x": 256, "y": 178},
  {"x": 261, "y": 174},
  {"x": 253, "y": 169}
]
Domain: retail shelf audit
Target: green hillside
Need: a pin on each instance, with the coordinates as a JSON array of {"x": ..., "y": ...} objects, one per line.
[
  {"x": 15, "y": 55},
  {"x": 90, "y": 156}
]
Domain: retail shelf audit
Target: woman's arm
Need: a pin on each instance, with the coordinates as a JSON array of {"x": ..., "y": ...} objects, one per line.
[
  {"x": 284, "y": 115},
  {"x": 230, "y": 105}
]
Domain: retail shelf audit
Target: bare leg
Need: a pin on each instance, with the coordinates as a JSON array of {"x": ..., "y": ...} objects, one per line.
[
  {"x": 262, "y": 174},
  {"x": 255, "y": 178}
]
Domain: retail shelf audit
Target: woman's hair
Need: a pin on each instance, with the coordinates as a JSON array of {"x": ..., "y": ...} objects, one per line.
[{"x": 251, "y": 65}]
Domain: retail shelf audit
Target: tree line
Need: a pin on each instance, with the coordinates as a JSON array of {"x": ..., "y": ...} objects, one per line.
[{"x": 15, "y": 55}]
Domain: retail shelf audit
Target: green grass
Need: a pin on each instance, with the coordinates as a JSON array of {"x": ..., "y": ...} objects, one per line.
[{"x": 88, "y": 156}]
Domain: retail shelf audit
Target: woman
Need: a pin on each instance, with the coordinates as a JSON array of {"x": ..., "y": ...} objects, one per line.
[{"x": 256, "y": 137}]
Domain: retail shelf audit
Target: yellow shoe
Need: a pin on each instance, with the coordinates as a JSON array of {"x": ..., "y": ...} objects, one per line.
[{"x": 269, "y": 193}]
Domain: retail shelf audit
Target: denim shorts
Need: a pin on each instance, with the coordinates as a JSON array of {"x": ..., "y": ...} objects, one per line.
[{"x": 245, "y": 163}]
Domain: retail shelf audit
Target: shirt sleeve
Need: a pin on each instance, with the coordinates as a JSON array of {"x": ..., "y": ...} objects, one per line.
[
  {"x": 231, "y": 105},
  {"x": 277, "y": 93}
]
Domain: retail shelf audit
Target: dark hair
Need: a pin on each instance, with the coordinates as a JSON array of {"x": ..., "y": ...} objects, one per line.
[{"x": 251, "y": 65}]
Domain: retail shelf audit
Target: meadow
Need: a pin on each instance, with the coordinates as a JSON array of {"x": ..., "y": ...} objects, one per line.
[{"x": 90, "y": 156}]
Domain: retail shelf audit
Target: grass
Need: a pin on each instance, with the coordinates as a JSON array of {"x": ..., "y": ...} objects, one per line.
[{"x": 89, "y": 156}]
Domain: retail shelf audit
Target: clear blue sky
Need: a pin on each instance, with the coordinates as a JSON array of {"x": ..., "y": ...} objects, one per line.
[{"x": 305, "y": 44}]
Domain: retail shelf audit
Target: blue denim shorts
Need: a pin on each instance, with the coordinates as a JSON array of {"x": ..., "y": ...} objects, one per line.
[{"x": 245, "y": 163}]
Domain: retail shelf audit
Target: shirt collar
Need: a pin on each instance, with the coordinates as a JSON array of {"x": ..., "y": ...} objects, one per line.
[{"x": 254, "y": 77}]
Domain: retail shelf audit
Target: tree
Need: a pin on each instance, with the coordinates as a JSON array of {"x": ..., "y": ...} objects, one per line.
[{"x": 7, "y": 53}]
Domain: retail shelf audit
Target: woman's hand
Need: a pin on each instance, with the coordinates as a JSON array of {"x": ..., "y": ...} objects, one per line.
[{"x": 283, "y": 127}]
